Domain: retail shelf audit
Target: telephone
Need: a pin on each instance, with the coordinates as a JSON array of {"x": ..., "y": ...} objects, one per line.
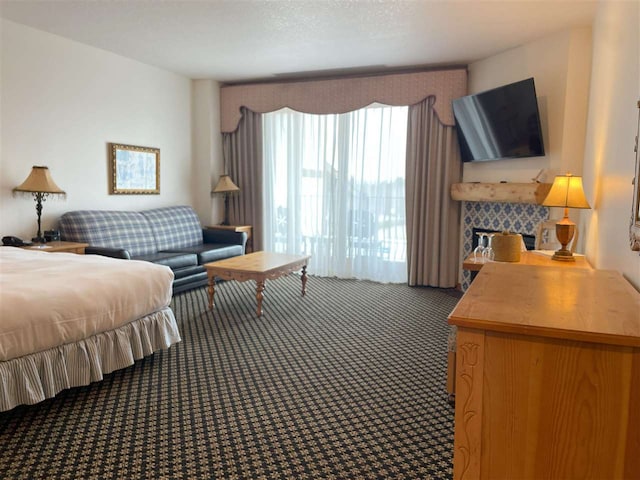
[
  {"x": 52, "y": 235},
  {"x": 14, "y": 242}
]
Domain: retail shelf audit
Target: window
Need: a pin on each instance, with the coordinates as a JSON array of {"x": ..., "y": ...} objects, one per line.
[{"x": 334, "y": 188}]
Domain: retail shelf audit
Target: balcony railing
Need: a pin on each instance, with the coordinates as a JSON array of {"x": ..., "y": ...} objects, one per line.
[{"x": 380, "y": 233}]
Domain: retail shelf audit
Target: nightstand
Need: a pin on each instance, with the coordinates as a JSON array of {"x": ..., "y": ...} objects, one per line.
[
  {"x": 69, "y": 247},
  {"x": 248, "y": 229}
]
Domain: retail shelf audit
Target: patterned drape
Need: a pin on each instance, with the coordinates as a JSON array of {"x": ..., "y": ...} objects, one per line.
[
  {"x": 243, "y": 156},
  {"x": 433, "y": 218}
]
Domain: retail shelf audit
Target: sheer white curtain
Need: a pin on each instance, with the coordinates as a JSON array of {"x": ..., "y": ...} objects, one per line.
[{"x": 334, "y": 187}]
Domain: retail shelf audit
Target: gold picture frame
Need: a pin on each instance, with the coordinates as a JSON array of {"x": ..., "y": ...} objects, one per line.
[
  {"x": 134, "y": 170},
  {"x": 634, "y": 224}
]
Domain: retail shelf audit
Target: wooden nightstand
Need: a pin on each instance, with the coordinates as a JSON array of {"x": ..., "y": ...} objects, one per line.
[
  {"x": 69, "y": 247},
  {"x": 248, "y": 229}
]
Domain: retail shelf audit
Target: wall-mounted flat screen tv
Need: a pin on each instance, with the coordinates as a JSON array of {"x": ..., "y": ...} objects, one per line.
[{"x": 499, "y": 123}]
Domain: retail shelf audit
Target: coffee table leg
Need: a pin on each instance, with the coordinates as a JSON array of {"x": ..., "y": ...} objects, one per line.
[
  {"x": 212, "y": 290},
  {"x": 304, "y": 280},
  {"x": 259, "y": 296}
]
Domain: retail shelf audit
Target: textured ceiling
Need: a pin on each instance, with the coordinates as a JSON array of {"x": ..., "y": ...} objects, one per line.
[{"x": 237, "y": 40}]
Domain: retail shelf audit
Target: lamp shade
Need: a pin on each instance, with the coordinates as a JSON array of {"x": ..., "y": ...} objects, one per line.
[
  {"x": 225, "y": 185},
  {"x": 39, "y": 181},
  {"x": 567, "y": 192}
]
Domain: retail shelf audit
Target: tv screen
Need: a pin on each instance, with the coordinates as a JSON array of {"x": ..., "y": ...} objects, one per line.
[{"x": 499, "y": 123}]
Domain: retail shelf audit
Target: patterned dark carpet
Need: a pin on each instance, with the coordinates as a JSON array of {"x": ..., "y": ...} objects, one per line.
[{"x": 345, "y": 383}]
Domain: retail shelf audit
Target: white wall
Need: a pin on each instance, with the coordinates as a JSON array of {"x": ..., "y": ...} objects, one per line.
[
  {"x": 62, "y": 102},
  {"x": 613, "y": 119},
  {"x": 560, "y": 65},
  {"x": 207, "y": 150}
]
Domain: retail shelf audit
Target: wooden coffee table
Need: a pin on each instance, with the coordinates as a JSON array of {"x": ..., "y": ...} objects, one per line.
[{"x": 258, "y": 266}]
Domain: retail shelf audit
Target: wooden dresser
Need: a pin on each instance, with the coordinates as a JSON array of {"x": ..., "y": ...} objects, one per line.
[{"x": 548, "y": 375}]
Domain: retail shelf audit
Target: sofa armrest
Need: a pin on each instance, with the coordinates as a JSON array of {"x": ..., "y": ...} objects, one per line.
[
  {"x": 224, "y": 236},
  {"x": 108, "y": 252}
]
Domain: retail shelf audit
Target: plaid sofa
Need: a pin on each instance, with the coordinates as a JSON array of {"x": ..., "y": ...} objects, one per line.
[{"x": 170, "y": 236}]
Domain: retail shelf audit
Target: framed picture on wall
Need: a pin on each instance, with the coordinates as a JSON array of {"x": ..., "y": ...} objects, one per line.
[
  {"x": 134, "y": 170},
  {"x": 634, "y": 225}
]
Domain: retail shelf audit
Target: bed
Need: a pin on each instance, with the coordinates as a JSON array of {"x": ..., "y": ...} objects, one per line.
[{"x": 67, "y": 319}]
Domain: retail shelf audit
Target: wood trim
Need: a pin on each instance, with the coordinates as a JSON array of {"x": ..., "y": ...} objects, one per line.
[
  {"x": 500, "y": 192},
  {"x": 451, "y": 373},
  {"x": 468, "y": 416},
  {"x": 632, "y": 459}
]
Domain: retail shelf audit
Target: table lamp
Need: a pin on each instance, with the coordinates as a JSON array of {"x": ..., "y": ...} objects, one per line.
[
  {"x": 41, "y": 185},
  {"x": 226, "y": 187},
  {"x": 566, "y": 192}
]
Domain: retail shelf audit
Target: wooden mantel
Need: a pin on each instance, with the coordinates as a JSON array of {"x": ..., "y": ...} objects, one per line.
[{"x": 500, "y": 192}]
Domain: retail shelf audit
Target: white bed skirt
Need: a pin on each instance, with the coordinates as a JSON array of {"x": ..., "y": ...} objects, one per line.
[{"x": 35, "y": 377}]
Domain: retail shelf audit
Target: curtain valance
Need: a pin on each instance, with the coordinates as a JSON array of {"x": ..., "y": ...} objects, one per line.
[{"x": 344, "y": 95}]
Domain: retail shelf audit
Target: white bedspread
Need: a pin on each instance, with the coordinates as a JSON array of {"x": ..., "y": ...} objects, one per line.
[{"x": 51, "y": 299}]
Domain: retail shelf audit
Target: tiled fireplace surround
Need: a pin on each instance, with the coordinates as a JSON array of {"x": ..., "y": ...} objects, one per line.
[{"x": 516, "y": 217}]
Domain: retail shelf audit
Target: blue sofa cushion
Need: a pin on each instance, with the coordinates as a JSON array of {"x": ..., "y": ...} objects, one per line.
[
  {"x": 172, "y": 260},
  {"x": 174, "y": 227},
  {"x": 112, "y": 229},
  {"x": 187, "y": 271},
  {"x": 187, "y": 283},
  {"x": 210, "y": 252}
]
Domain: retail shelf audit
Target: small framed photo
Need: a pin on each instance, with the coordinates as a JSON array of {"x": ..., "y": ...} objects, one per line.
[
  {"x": 546, "y": 238},
  {"x": 134, "y": 170}
]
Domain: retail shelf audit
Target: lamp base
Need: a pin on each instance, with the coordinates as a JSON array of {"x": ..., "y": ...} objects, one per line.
[
  {"x": 565, "y": 229},
  {"x": 225, "y": 222},
  {"x": 39, "y": 240},
  {"x": 563, "y": 255}
]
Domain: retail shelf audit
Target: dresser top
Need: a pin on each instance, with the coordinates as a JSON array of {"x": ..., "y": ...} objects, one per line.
[{"x": 574, "y": 304}]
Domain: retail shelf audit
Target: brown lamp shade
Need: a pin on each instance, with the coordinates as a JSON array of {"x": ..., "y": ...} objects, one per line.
[
  {"x": 566, "y": 191},
  {"x": 225, "y": 185},
  {"x": 39, "y": 181},
  {"x": 40, "y": 184}
]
